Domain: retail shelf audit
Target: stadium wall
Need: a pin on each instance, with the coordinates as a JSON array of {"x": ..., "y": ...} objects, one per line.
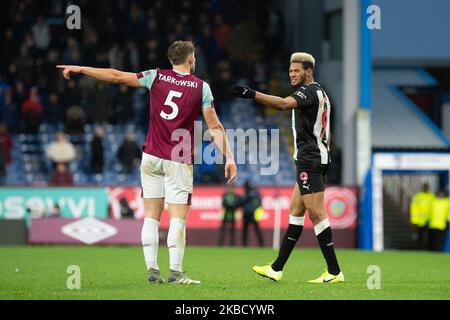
[
  {"x": 88, "y": 231},
  {"x": 93, "y": 215}
]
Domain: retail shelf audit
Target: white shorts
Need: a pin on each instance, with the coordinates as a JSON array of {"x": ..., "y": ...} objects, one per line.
[{"x": 161, "y": 178}]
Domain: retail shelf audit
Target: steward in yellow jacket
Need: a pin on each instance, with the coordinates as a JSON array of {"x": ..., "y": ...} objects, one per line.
[
  {"x": 420, "y": 211},
  {"x": 440, "y": 216}
]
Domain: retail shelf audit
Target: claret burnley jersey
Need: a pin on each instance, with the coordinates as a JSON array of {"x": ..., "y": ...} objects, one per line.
[{"x": 176, "y": 100}]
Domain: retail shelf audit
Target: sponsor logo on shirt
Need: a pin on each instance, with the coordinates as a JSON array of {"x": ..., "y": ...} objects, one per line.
[{"x": 301, "y": 95}]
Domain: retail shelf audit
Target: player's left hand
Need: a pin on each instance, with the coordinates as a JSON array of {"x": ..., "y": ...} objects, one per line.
[
  {"x": 230, "y": 171},
  {"x": 242, "y": 91},
  {"x": 68, "y": 69}
]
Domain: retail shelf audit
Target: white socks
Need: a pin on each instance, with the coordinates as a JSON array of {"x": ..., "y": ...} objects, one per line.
[
  {"x": 298, "y": 221},
  {"x": 176, "y": 242},
  {"x": 322, "y": 225},
  {"x": 150, "y": 242}
]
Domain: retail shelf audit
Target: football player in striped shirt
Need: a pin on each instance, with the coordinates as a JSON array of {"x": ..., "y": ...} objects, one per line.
[{"x": 310, "y": 109}]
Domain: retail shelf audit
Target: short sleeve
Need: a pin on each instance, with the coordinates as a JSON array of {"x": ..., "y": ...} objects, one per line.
[
  {"x": 207, "y": 97},
  {"x": 146, "y": 78},
  {"x": 303, "y": 97}
]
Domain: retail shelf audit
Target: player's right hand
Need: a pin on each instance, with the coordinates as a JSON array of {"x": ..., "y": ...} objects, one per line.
[
  {"x": 242, "y": 91},
  {"x": 230, "y": 171},
  {"x": 68, "y": 69}
]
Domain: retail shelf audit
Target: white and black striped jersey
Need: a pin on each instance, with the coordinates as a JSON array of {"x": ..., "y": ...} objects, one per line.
[{"x": 311, "y": 124}]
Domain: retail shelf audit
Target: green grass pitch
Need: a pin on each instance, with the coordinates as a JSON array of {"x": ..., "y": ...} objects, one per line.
[{"x": 119, "y": 273}]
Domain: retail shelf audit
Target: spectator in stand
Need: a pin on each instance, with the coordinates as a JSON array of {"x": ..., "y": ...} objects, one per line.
[
  {"x": 53, "y": 111},
  {"x": 25, "y": 64},
  {"x": 209, "y": 44},
  {"x": 19, "y": 94},
  {"x": 132, "y": 57},
  {"x": 6, "y": 142},
  {"x": 152, "y": 54},
  {"x": 75, "y": 120},
  {"x": 72, "y": 54},
  {"x": 72, "y": 95},
  {"x": 101, "y": 104},
  {"x": 221, "y": 83},
  {"x": 11, "y": 74},
  {"x": 129, "y": 154},
  {"x": 31, "y": 49},
  {"x": 97, "y": 157},
  {"x": 9, "y": 113},
  {"x": 61, "y": 150},
  {"x": 259, "y": 81},
  {"x": 4, "y": 88},
  {"x": 2, "y": 166},
  {"x": 135, "y": 26},
  {"x": 28, "y": 44},
  {"x": 201, "y": 66},
  {"x": 41, "y": 34},
  {"x": 90, "y": 48},
  {"x": 122, "y": 106},
  {"x": 9, "y": 47},
  {"x": 32, "y": 112},
  {"x": 222, "y": 31},
  {"x": 51, "y": 79},
  {"x": 274, "y": 34},
  {"x": 5, "y": 151},
  {"x": 260, "y": 77},
  {"x": 115, "y": 57},
  {"x": 61, "y": 176}
]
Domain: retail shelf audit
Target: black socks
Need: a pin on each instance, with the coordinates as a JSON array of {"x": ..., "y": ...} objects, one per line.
[
  {"x": 324, "y": 237},
  {"x": 327, "y": 247},
  {"x": 291, "y": 236}
]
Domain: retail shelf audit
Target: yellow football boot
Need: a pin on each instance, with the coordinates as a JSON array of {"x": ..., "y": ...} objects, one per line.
[
  {"x": 328, "y": 278},
  {"x": 268, "y": 272}
]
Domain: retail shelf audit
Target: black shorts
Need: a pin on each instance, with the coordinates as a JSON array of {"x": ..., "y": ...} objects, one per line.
[{"x": 311, "y": 177}]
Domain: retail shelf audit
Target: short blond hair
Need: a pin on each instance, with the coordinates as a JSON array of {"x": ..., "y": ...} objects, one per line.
[{"x": 306, "y": 59}]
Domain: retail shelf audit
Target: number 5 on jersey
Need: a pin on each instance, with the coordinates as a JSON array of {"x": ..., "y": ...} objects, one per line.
[{"x": 170, "y": 116}]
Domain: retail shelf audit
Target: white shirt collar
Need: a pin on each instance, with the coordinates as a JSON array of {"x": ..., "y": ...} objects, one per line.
[{"x": 179, "y": 72}]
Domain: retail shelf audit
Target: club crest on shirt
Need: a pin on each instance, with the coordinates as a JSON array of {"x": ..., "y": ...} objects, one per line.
[{"x": 304, "y": 177}]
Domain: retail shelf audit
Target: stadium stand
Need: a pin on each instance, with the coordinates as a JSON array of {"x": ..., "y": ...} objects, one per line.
[
  {"x": 397, "y": 121},
  {"x": 36, "y": 103}
]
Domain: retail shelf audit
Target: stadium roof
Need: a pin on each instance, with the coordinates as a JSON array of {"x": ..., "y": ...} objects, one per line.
[{"x": 396, "y": 121}]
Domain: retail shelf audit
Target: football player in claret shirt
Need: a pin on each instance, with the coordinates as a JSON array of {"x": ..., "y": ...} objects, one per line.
[
  {"x": 311, "y": 129},
  {"x": 177, "y": 97}
]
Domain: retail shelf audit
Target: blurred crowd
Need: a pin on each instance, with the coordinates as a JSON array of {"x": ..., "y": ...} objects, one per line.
[
  {"x": 125, "y": 35},
  {"x": 230, "y": 36}
]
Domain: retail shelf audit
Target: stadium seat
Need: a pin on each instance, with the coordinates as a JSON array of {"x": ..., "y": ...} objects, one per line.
[{"x": 29, "y": 151}]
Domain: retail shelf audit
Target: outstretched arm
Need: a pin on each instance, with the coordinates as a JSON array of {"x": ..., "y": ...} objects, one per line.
[
  {"x": 108, "y": 75},
  {"x": 274, "y": 102}
]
